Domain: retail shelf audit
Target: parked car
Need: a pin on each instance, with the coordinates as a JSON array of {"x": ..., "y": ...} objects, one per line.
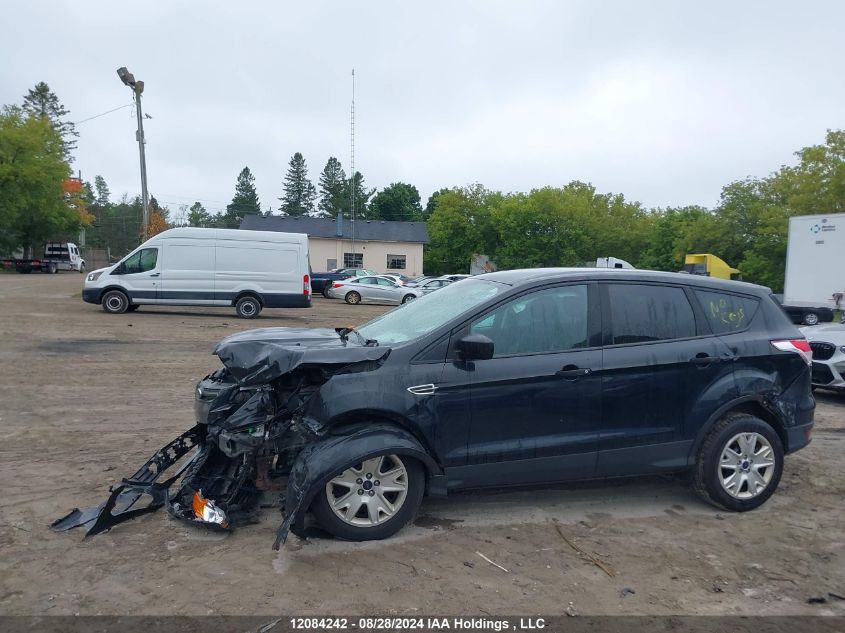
[
  {"x": 321, "y": 282},
  {"x": 379, "y": 289},
  {"x": 512, "y": 378},
  {"x": 828, "y": 345},
  {"x": 802, "y": 315},
  {"x": 454, "y": 277},
  {"x": 249, "y": 270},
  {"x": 399, "y": 279},
  {"x": 430, "y": 285}
]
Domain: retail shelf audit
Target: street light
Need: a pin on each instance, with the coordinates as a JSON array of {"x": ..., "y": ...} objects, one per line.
[{"x": 137, "y": 87}]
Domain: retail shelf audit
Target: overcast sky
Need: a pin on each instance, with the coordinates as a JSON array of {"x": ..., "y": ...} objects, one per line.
[{"x": 664, "y": 102}]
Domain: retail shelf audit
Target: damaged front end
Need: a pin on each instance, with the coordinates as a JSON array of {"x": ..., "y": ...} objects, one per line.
[{"x": 250, "y": 433}]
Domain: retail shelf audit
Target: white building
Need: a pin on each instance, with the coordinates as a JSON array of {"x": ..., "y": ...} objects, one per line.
[{"x": 379, "y": 245}]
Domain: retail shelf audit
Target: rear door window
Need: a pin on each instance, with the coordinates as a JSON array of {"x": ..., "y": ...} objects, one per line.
[
  {"x": 641, "y": 313},
  {"x": 726, "y": 312}
]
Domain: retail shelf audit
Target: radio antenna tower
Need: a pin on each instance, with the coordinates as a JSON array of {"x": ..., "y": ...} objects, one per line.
[{"x": 352, "y": 183}]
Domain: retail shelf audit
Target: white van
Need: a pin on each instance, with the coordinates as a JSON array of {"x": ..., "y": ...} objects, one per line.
[{"x": 249, "y": 270}]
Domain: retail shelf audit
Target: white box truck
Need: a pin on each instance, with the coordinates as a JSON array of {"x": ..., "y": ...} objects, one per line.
[
  {"x": 815, "y": 268},
  {"x": 249, "y": 270}
]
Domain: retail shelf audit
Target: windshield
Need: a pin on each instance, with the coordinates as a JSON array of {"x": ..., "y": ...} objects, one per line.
[{"x": 417, "y": 318}]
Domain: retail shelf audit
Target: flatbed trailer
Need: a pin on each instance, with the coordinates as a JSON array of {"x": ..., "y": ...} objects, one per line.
[{"x": 57, "y": 256}]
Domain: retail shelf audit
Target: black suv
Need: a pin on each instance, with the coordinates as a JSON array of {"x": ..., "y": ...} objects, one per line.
[{"x": 505, "y": 379}]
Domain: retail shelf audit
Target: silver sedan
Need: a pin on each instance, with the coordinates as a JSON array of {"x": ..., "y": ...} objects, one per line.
[{"x": 373, "y": 290}]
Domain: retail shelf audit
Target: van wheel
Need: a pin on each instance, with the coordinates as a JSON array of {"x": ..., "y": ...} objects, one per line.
[
  {"x": 811, "y": 318},
  {"x": 352, "y": 298},
  {"x": 372, "y": 499},
  {"x": 248, "y": 307},
  {"x": 739, "y": 464},
  {"x": 115, "y": 302}
]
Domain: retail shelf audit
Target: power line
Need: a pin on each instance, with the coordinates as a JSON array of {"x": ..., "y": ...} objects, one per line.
[{"x": 97, "y": 116}]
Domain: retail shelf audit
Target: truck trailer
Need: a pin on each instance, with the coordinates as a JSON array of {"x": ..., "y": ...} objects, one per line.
[{"x": 815, "y": 268}]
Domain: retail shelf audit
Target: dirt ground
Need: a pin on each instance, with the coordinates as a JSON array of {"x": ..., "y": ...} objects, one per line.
[{"x": 86, "y": 397}]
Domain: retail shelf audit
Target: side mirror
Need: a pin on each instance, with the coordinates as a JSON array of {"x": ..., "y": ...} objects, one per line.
[
  {"x": 120, "y": 270},
  {"x": 475, "y": 347}
]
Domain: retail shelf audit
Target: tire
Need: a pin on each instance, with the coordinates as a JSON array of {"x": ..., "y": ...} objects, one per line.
[
  {"x": 82, "y": 268},
  {"x": 248, "y": 307},
  {"x": 811, "y": 318},
  {"x": 710, "y": 470},
  {"x": 52, "y": 269},
  {"x": 408, "y": 297},
  {"x": 115, "y": 302},
  {"x": 352, "y": 298},
  {"x": 360, "y": 526},
  {"x": 325, "y": 292}
]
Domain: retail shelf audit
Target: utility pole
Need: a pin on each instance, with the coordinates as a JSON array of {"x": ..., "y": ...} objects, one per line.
[
  {"x": 352, "y": 186},
  {"x": 137, "y": 87}
]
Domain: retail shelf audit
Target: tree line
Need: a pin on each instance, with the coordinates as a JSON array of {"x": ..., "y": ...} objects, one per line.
[
  {"x": 549, "y": 226},
  {"x": 575, "y": 224}
]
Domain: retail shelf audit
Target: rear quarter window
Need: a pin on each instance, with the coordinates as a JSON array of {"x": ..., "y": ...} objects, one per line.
[{"x": 727, "y": 312}]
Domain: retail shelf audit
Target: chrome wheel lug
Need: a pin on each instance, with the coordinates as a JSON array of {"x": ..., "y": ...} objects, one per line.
[
  {"x": 372, "y": 492},
  {"x": 359, "y": 481},
  {"x": 360, "y": 491}
]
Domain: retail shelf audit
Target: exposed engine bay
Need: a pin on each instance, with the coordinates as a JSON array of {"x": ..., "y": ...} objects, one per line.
[{"x": 258, "y": 430}]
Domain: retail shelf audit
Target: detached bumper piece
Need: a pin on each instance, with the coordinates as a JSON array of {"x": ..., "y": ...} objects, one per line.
[{"x": 121, "y": 503}]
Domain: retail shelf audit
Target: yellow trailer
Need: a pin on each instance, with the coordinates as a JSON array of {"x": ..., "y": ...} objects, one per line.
[{"x": 709, "y": 265}]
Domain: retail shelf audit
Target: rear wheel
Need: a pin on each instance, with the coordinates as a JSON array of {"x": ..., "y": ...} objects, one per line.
[
  {"x": 248, "y": 307},
  {"x": 739, "y": 464},
  {"x": 326, "y": 291},
  {"x": 115, "y": 302},
  {"x": 372, "y": 499},
  {"x": 811, "y": 318},
  {"x": 352, "y": 298}
]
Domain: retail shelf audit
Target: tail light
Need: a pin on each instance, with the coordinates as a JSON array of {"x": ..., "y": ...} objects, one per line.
[
  {"x": 306, "y": 285},
  {"x": 336, "y": 284},
  {"x": 797, "y": 346}
]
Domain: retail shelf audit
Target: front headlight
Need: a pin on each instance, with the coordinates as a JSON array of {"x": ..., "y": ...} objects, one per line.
[
  {"x": 93, "y": 276},
  {"x": 842, "y": 349}
]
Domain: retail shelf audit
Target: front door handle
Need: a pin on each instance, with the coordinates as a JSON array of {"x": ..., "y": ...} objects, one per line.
[
  {"x": 155, "y": 274},
  {"x": 703, "y": 360},
  {"x": 573, "y": 372}
]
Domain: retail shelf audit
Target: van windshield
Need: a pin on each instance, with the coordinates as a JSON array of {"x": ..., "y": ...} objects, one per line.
[{"x": 417, "y": 318}]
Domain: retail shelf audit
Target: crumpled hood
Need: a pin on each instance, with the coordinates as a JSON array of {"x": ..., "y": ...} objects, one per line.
[{"x": 258, "y": 356}]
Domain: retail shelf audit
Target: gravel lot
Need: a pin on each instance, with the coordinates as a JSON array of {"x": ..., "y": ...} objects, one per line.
[{"x": 86, "y": 397}]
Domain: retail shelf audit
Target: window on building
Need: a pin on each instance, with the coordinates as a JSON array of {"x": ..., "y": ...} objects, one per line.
[
  {"x": 396, "y": 262},
  {"x": 642, "y": 313},
  {"x": 353, "y": 260}
]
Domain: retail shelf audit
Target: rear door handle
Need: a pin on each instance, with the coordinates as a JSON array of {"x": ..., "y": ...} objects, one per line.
[
  {"x": 571, "y": 372},
  {"x": 155, "y": 274},
  {"x": 703, "y": 360}
]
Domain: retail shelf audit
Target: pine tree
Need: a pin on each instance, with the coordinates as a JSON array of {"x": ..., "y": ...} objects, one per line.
[
  {"x": 332, "y": 189},
  {"x": 102, "y": 190},
  {"x": 198, "y": 216},
  {"x": 299, "y": 195},
  {"x": 43, "y": 102},
  {"x": 244, "y": 202},
  {"x": 362, "y": 196}
]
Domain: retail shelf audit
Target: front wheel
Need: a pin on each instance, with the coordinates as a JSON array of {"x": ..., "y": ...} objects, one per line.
[
  {"x": 352, "y": 298},
  {"x": 811, "y": 318},
  {"x": 115, "y": 302},
  {"x": 82, "y": 267},
  {"x": 408, "y": 297},
  {"x": 739, "y": 464},
  {"x": 372, "y": 499}
]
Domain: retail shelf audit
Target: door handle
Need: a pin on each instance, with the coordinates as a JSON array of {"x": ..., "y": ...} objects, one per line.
[
  {"x": 155, "y": 274},
  {"x": 571, "y": 372},
  {"x": 702, "y": 359}
]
